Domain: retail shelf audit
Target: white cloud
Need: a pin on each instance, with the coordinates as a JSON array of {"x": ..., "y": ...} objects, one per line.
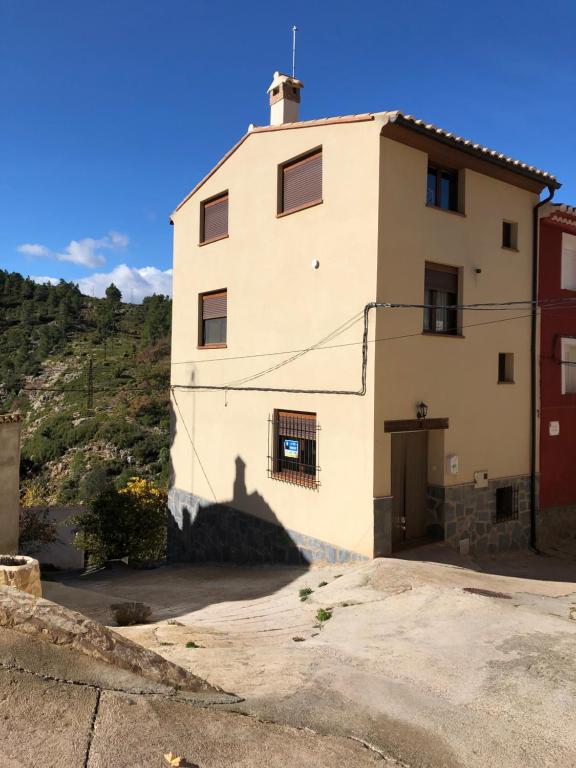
[
  {"x": 134, "y": 283},
  {"x": 33, "y": 249},
  {"x": 85, "y": 252}
]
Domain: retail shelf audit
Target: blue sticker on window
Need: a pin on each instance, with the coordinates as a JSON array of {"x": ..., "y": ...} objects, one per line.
[{"x": 291, "y": 449}]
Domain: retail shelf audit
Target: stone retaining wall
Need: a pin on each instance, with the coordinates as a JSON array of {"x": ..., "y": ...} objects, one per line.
[
  {"x": 202, "y": 531},
  {"x": 465, "y": 512}
]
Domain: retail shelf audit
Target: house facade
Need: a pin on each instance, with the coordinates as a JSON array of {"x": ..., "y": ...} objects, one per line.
[
  {"x": 557, "y": 295},
  {"x": 334, "y": 395}
]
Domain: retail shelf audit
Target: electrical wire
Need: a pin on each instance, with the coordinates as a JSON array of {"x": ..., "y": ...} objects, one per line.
[
  {"x": 545, "y": 305},
  {"x": 548, "y": 304},
  {"x": 193, "y": 446}
]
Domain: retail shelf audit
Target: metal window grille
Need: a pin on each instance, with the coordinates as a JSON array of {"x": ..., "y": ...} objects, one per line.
[
  {"x": 506, "y": 504},
  {"x": 293, "y": 448}
]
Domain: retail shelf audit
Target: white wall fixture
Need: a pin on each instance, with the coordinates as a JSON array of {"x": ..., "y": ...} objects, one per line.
[
  {"x": 481, "y": 479},
  {"x": 452, "y": 464}
]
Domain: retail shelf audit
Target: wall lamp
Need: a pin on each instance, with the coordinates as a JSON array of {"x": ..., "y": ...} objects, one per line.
[{"x": 421, "y": 410}]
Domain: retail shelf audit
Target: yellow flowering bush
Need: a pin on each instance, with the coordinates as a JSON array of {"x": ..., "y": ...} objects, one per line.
[{"x": 130, "y": 522}]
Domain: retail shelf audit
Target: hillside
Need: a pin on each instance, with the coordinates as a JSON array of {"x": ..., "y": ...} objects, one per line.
[{"x": 90, "y": 378}]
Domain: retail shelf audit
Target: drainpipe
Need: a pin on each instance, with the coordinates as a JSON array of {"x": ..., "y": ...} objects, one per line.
[{"x": 534, "y": 364}]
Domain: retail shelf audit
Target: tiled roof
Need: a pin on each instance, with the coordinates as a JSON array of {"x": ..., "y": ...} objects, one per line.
[
  {"x": 563, "y": 208},
  {"x": 407, "y": 121},
  {"x": 484, "y": 152},
  {"x": 559, "y": 213}
]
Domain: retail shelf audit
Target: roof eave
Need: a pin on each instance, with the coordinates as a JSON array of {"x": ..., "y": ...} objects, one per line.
[{"x": 547, "y": 181}]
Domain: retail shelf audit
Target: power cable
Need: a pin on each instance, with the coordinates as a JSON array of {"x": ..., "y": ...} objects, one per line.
[{"x": 193, "y": 446}]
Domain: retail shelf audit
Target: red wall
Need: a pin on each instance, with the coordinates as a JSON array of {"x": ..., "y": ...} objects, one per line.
[{"x": 557, "y": 454}]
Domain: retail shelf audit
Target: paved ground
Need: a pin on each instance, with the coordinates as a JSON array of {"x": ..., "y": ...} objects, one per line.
[
  {"x": 61, "y": 709},
  {"x": 411, "y": 663}
]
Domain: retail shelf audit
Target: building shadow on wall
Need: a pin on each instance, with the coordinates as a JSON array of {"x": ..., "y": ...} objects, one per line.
[{"x": 203, "y": 532}]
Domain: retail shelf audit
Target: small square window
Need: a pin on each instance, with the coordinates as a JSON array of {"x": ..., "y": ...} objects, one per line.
[
  {"x": 213, "y": 319},
  {"x": 506, "y": 504},
  {"x": 509, "y": 235},
  {"x": 505, "y": 367}
]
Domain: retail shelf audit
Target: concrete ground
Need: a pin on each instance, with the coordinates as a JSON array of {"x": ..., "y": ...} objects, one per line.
[
  {"x": 62, "y": 709},
  {"x": 431, "y": 660}
]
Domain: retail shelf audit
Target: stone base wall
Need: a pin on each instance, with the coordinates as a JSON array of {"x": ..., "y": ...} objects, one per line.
[
  {"x": 383, "y": 526},
  {"x": 556, "y": 525},
  {"x": 464, "y": 512},
  {"x": 203, "y": 531}
]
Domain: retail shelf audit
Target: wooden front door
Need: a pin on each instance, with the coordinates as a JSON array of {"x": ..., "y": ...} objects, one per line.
[{"x": 409, "y": 477}]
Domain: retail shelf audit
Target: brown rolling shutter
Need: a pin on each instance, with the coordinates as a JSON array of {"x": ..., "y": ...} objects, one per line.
[
  {"x": 214, "y": 305},
  {"x": 302, "y": 182},
  {"x": 443, "y": 279},
  {"x": 215, "y": 218},
  {"x": 294, "y": 424}
]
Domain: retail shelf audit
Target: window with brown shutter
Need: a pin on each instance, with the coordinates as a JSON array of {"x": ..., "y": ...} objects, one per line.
[
  {"x": 440, "y": 297},
  {"x": 300, "y": 183},
  {"x": 293, "y": 448},
  {"x": 213, "y": 311},
  {"x": 214, "y": 219}
]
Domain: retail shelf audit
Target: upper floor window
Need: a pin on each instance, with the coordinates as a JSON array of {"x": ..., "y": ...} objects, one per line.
[
  {"x": 568, "y": 261},
  {"x": 214, "y": 219},
  {"x": 442, "y": 188},
  {"x": 300, "y": 183},
  {"x": 213, "y": 311},
  {"x": 440, "y": 297},
  {"x": 568, "y": 361},
  {"x": 509, "y": 235}
]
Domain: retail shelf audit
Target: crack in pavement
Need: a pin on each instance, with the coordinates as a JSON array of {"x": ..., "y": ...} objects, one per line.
[
  {"x": 92, "y": 727},
  {"x": 185, "y": 697}
]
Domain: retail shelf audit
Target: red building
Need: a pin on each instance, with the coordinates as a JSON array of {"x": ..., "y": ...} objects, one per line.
[{"x": 557, "y": 280}]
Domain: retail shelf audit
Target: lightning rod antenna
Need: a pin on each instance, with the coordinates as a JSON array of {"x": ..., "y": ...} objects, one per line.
[{"x": 294, "y": 30}]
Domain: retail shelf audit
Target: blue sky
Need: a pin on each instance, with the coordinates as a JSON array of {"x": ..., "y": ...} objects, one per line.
[{"x": 111, "y": 110}]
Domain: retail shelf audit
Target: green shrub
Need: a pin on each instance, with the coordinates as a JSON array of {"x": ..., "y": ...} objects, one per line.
[{"x": 130, "y": 522}]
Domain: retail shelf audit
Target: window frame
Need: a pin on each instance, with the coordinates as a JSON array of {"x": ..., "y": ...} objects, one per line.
[
  {"x": 292, "y": 162},
  {"x": 513, "y": 235},
  {"x": 566, "y": 238},
  {"x": 506, "y": 368},
  {"x": 206, "y": 204},
  {"x": 566, "y": 342},
  {"x": 300, "y": 432},
  {"x": 506, "y": 504},
  {"x": 201, "y": 329},
  {"x": 455, "y": 199},
  {"x": 457, "y": 271}
]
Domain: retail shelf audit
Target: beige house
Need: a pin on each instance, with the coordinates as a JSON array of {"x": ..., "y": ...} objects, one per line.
[{"x": 312, "y": 422}]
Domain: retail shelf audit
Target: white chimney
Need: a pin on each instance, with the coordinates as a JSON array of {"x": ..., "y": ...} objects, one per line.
[{"x": 284, "y": 99}]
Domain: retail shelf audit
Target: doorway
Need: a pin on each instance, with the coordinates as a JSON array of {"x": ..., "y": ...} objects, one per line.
[{"x": 409, "y": 481}]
